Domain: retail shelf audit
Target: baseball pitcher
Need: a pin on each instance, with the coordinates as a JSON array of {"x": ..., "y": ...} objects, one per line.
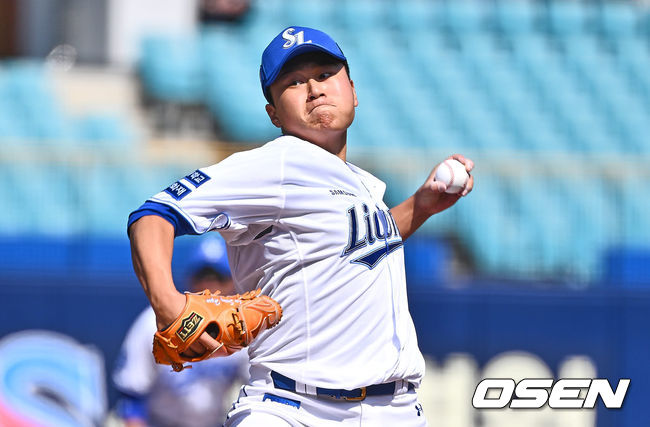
[{"x": 314, "y": 249}]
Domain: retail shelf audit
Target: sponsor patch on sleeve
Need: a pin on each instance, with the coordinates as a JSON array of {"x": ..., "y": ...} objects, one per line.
[
  {"x": 177, "y": 190},
  {"x": 198, "y": 178}
]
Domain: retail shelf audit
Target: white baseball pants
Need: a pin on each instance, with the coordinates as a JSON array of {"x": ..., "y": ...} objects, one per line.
[{"x": 261, "y": 404}]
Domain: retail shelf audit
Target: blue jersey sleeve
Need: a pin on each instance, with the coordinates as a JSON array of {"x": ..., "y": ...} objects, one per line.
[{"x": 181, "y": 225}]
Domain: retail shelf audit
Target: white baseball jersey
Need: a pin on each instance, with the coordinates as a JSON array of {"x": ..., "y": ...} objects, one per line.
[
  {"x": 313, "y": 233},
  {"x": 195, "y": 397}
]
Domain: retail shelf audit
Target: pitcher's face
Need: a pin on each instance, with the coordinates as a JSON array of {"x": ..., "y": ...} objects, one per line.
[{"x": 312, "y": 96}]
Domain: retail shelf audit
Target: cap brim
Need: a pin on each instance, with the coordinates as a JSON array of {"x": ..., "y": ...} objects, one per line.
[{"x": 299, "y": 50}]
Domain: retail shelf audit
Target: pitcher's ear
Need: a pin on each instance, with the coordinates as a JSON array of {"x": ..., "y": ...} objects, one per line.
[{"x": 270, "y": 110}]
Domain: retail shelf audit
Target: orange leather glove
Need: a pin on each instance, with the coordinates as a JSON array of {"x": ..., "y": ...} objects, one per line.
[{"x": 234, "y": 321}]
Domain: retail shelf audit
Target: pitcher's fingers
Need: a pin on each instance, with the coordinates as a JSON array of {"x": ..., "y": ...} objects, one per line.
[
  {"x": 195, "y": 350},
  {"x": 209, "y": 343},
  {"x": 469, "y": 186},
  {"x": 469, "y": 164}
]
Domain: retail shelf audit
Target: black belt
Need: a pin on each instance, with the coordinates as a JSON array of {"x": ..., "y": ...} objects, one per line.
[{"x": 357, "y": 394}]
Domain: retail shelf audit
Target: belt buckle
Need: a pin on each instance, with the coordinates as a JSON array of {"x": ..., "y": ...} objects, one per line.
[{"x": 356, "y": 399}]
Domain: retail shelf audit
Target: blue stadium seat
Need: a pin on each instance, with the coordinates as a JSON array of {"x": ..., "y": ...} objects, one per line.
[
  {"x": 570, "y": 18},
  {"x": 232, "y": 70},
  {"x": 533, "y": 54},
  {"x": 594, "y": 222},
  {"x": 441, "y": 66},
  {"x": 361, "y": 15},
  {"x": 432, "y": 125},
  {"x": 104, "y": 129},
  {"x": 466, "y": 16},
  {"x": 242, "y": 121},
  {"x": 633, "y": 51},
  {"x": 31, "y": 112},
  {"x": 386, "y": 65},
  {"x": 15, "y": 217},
  {"x": 486, "y": 129},
  {"x": 107, "y": 196},
  {"x": 14, "y": 128},
  {"x": 610, "y": 84},
  {"x": 542, "y": 210},
  {"x": 416, "y": 16},
  {"x": 581, "y": 119},
  {"x": 377, "y": 127},
  {"x": 263, "y": 12},
  {"x": 584, "y": 51},
  {"x": 634, "y": 125},
  {"x": 309, "y": 13},
  {"x": 48, "y": 198},
  {"x": 618, "y": 19},
  {"x": 426, "y": 45},
  {"x": 480, "y": 51},
  {"x": 500, "y": 77},
  {"x": 633, "y": 57},
  {"x": 514, "y": 18},
  {"x": 170, "y": 68},
  {"x": 219, "y": 42},
  {"x": 490, "y": 227},
  {"x": 25, "y": 78}
]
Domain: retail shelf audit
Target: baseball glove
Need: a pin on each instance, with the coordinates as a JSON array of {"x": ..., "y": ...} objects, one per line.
[{"x": 234, "y": 321}]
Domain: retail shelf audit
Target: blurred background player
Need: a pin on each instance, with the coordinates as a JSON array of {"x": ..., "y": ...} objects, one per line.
[{"x": 154, "y": 395}]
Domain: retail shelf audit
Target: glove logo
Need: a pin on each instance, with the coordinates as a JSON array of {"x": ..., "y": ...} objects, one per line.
[{"x": 189, "y": 325}]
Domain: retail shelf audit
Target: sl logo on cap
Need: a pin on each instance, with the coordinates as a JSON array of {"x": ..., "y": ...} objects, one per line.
[{"x": 291, "y": 39}]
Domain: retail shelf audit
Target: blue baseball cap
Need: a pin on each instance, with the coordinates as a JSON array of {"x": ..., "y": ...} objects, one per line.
[
  {"x": 291, "y": 42},
  {"x": 211, "y": 252}
]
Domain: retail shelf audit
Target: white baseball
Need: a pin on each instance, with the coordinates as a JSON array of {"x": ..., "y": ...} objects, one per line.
[{"x": 453, "y": 173}]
